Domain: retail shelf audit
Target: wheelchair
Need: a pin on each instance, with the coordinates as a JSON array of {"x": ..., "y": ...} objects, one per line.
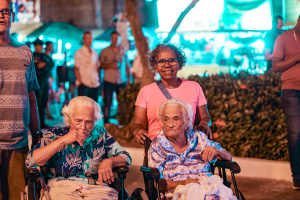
[
  {"x": 151, "y": 176},
  {"x": 36, "y": 181}
]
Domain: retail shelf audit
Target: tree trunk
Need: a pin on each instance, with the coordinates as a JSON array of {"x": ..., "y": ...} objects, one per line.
[
  {"x": 179, "y": 20},
  {"x": 140, "y": 40}
]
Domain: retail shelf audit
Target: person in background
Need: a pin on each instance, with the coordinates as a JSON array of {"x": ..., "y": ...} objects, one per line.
[
  {"x": 167, "y": 60},
  {"x": 270, "y": 38},
  {"x": 116, "y": 71},
  {"x": 82, "y": 154},
  {"x": 87, "y": 69},
  {"x": 43, "y": 66},
  {"x": 286, "y": 59},
  {"x": 18, "y": 110}
]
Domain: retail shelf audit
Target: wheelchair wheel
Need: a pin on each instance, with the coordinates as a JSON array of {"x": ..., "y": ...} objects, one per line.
[{"x": 139, "y": 194}]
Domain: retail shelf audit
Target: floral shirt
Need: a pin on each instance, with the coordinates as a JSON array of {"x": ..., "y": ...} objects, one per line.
[
  {"x": 177, "y": 167},
  {"x": 74, "y": 160}
]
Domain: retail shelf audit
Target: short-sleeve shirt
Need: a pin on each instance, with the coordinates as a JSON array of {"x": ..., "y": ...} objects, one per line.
[
  {"x": 17, "y": 79},
  {"x": 111, "y": 75},
  {"x": 150, "y": 97},
  {"x": 270, "y": 40},
  {"x": 88, "y": 64},
  {"x": 285, "y": 47},
  {"x": 177, "y": 167},
  {"x": 74, "y": 160}
]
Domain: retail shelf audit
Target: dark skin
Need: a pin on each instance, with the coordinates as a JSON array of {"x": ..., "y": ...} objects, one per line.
[{"x": 170, "y": 80}]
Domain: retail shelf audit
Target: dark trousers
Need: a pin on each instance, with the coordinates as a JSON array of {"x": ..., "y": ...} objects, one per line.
[
  {"x": 291, "y": 107},
  {"x": 42, "y": 99},
  {"x": 93, "y": 93},
  {"x": 12, "y": 173},
  {"x": 108, "y": 89}
]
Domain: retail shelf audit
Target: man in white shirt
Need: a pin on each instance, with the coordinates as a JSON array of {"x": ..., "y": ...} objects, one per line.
[{"x": 87, "y": 68}]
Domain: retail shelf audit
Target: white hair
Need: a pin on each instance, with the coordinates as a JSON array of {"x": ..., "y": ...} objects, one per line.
[
  {"x": 67, "y": 111},
  {"x": 185, "y": 107}
]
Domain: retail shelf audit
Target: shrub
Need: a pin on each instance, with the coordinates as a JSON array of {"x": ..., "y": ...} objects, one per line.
[{"x": 247, "y": 117}]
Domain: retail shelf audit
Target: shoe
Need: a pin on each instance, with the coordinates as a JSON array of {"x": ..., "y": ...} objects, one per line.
[{"x": 296, "y": 184}]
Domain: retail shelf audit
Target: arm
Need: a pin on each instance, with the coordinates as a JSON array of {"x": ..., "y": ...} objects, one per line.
[
  {"x": 127, "y": 69},
  {"x": 211, "y": 153},
  {"x": 202, "y": 119},
  {"x": 43, "y": 154},
  {"x": 41, "y": 64},
  {"x": 139, "y": 124},
  {"x": 165, "y": 185},
  {"x": 280, "y": 65},
  {"x": 113, "y": 65},
  {"x": 77, "y": 75},
  {"x": 34, "y": 124},
  {"x": 267, "y": 54},
  {"x": 105, "y": 169}
]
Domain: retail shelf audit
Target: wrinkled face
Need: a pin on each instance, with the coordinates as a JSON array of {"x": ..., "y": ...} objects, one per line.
[
  {"x": 114, "y": 39},
  {"x": 167, "y": 71},
  {"x": 83, "y": 118},
  {"x": 87, "y": 40},
  {"x": 173, "y": 121},
  {"x": 7, "y": 18}
]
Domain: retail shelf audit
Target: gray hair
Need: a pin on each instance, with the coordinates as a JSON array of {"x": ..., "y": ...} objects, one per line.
[
  {"x": 185, "y": 107},
  {"x": 67, "y": 111}
]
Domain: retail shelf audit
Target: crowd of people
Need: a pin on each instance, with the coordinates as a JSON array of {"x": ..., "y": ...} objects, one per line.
[{"x": 84, "y": 153}]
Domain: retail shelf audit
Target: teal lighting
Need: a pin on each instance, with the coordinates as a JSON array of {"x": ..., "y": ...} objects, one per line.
[
  {"x": 68, "y": 45},
  {"x": 259, "y": 44}
]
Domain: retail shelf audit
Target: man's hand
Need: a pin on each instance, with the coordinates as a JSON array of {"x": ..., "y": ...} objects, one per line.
[
  {"x": 140, "y": 135},
  {"x": 75, "y": 135},
  {"x": 210, "y": 153},
  {"x": 105, "y": 173}
]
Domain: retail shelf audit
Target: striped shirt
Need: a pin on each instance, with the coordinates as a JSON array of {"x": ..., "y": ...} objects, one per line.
[{"x": 17, "y": 78}]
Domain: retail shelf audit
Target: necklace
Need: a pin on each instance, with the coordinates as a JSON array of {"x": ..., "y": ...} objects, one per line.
[{"x": 296, "y": 37}]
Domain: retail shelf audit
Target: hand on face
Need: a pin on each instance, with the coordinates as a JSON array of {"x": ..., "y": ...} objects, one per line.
[
  {"x": 76, "y": 135},
  {"x": 105, "y": 173},
  {"x": 210, "y": 153}
]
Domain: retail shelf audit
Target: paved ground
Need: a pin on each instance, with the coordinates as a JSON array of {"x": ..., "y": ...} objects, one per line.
[{"x": 252, "y": 188}]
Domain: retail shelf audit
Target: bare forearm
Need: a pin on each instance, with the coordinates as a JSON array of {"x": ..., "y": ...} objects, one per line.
[
  {"x": 77, "y": 75},
  {"x": 225, "y": 155},
  {"x": 113, "y": 65},
  {"x": 118, "y": 161},
  {"x": 282, "y": 65},
  {"x": 34, "y": 124},
  {"x": 165, "y": 185},
  {"x": 43, "y": 154}
]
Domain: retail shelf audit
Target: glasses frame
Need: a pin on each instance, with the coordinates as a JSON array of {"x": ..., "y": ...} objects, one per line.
[
  {"x": 5, "y": 10},
  {"x": 167, "y": 61}
]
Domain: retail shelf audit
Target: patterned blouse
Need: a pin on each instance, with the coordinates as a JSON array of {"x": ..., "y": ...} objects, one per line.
[
  {"x": 74, "y": 160},
  {"x": 177, "y": 167}
]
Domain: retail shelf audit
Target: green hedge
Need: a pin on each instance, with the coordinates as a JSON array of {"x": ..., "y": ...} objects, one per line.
[{"x": 247, "y": 118}]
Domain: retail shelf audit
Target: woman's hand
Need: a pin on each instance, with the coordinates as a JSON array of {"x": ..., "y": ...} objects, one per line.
[
  {"x": 105, "y": 173},
  {"x": 190, "y": 180},
  {"x": 140, "y": 135},
  {"x": 204, "y": 127},
  {"x": 75, "y": 135},
  {"x": 210, "y": 153}
]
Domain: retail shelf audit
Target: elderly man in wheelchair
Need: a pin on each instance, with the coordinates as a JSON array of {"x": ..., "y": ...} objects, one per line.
[
  {"x": 79, "y": 157},
  {"x": 183, "y": 155}
]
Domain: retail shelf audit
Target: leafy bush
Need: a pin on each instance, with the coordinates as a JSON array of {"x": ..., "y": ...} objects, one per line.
[{"x": 247, "y": 117}]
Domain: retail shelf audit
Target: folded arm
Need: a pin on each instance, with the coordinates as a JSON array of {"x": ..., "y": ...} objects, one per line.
[{"x": 280, "y": 65}]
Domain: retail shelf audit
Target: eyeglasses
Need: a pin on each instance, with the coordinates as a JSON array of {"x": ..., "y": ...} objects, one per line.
[
  {"x": 6, "y": 12},
  {"x": 171, "y": 61}
]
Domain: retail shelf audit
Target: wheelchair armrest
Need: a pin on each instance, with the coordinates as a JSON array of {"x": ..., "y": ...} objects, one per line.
[
  {"x": 121, "y": 170},
  {"x": 231, "y": 165},
  {"x": 32, "y": 174},
  {"x": 153, "y": 172}
]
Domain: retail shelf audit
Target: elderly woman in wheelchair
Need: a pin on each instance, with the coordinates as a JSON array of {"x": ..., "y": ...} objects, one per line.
[
  {"x": 183, "y": 155},
  {"x": 79, "y": 157}
]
